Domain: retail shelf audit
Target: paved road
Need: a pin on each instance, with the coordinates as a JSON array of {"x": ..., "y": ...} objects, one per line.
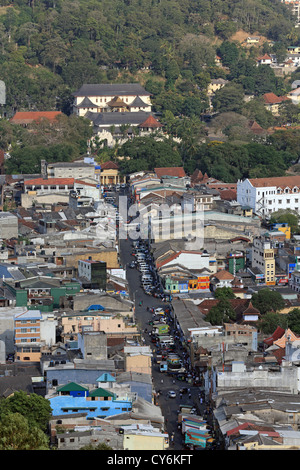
[{"x": 169, "y": 406}]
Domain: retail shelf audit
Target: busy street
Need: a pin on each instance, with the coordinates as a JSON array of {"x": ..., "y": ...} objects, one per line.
[{"x": 173, "y": 390}]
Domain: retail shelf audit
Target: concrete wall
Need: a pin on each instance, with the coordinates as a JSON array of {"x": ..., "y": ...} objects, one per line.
[
  {"x": 28, "y": 199},
  {"x": 138, "y": 363},
  {"x": 285, "y": 379},
  {"x": 110, "y": 257},
  {"x": 93, "y": 345},
  {"x": 8, "y": 225}
]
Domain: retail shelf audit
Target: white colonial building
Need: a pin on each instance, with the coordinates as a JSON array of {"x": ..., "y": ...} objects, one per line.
[
  {"x": 267, "y": 195},
  {"x": 106, "y": 97}
]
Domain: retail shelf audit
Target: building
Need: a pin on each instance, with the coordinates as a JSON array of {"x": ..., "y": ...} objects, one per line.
[
  {"x": 33, "y": 330},
  {"x": 294, "y": 6},
  {"x": 107, "y": 98},
  {"x": 110, "y": 174},
  {"x": 264, "y": 60},
  {"x": 263, "y": 258},
  {"x": 294, "y": 281},
  {"x": 94, "y": 272},
  {"x": 8, "y": 225},
  {"x": 221, "y": 279},
  {"x": 75, "y": 170},
  {"x": 215, "y": 85},
  {"x": 273, "y": 102},
  {"x": 97, "y": 403},
  {"x": 97, "y": 319},
  {"x": 42, "y": 292},
  {"x": 294, "y": 96},
  {"x": 267, "y": 195},
  {"x": 25, "y": 118},
  {"x": 93, "y": 344},
  {"x": 110, "y": 127}
]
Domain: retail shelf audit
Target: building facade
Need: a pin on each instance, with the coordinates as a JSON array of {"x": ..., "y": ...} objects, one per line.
[
  {"x": 32, "y": 331},
  {"x": 263, "y": 258},
  {"x": 267, "y": 195}
]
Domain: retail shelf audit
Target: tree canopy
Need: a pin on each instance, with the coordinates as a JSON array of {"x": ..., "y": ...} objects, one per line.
[{"x": 267, "y": 300}]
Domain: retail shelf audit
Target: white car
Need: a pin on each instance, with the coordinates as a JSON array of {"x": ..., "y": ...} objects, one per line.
[
  {"x": 159, "y": 310},
  {"x": 171, "y": 394}
]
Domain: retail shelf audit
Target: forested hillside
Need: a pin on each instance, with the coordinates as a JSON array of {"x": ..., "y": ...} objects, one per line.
[{"x": 48, "y": 48}]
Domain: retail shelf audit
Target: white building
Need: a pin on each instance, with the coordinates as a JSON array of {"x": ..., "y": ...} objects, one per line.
[
  {"x": 294, "y": 281},
  {"x": 119, "y": 97},
  {"x": 267, "y": 195},
  {"x": 295, "y": 8}
]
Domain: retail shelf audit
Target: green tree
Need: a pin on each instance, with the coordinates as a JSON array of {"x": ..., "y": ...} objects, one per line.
[
  {"x": 16, "y": 433},
  {"x": 228, "y": 98},
  {"x": 293, "y": 320},
  {"x": 224, "y": 293},
  {"x": 286, "y": 216},
  {"x": 101, "y": 446},
  {"x": 221, "y": 313},
  {"x": 146, "y": 153},
  {"x": 229, "y": 53},
  {"x": 267, "y": 300},
  {"x": 270, "y": 321},
  {"x": 34, "y": 408}
]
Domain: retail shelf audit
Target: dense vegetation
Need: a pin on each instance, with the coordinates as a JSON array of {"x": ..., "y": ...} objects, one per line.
[
  {"x": 24, "y": 421},
  {"x": 49, "y": 48}
]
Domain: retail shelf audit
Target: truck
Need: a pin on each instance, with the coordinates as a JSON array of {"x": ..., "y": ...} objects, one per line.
[
  {"x": 166, "y": 339},
  {"x": 160, "y": 329}
]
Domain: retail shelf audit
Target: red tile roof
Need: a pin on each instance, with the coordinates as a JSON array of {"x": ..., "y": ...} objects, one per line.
[
  {"x": 109, "y": 166},
  {"x": 150, "y": 122},
  {"x": 264, "y": 57},
  {"x": 279, "y": 181},
  {"x": 271, "y": 98},
  {"x": 278, "y": 333},
  {"x": 221, "y": 275},
  {"x": 49, "y": 181},
  {"x": 29, "y": 116},
  {"x": 228, "y": 195},
  {"x": 170, "y": 171}
]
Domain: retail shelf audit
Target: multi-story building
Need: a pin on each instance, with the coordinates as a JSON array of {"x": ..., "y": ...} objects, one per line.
[
  {"x": 267, "y": 195},
  {"x": 118, "y": 97},
  {"x": 116, "y": 111},
  {"x": 94, "y": 272},
  {"x": 263, "y": 258},
  {"x": 33, "y": 330},
  {"x": 294, "y": 5}
]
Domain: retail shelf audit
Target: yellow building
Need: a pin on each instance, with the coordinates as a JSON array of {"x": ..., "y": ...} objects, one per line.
[
  {"x": 110, "y": 174},
  {"x": 113, "y": 325},
  {"x": 139, "y": 363},
  {"x": 135, "y": 440},
  {"x": 263, "y": 258}
]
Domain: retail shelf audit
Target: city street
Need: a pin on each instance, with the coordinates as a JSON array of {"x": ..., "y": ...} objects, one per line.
[{"x": 161, "y": 381}]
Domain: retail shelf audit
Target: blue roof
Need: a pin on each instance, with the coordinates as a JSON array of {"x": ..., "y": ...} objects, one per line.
[
  {"x": 95, "y": 307},
  {"x": 106, "y": 377}
]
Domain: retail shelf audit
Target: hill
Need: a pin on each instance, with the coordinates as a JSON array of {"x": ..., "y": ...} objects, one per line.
[{"x": 50, "y": 47}]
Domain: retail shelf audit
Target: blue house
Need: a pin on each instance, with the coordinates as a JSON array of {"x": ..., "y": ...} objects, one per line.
[{"x": 97, "y": 403}]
